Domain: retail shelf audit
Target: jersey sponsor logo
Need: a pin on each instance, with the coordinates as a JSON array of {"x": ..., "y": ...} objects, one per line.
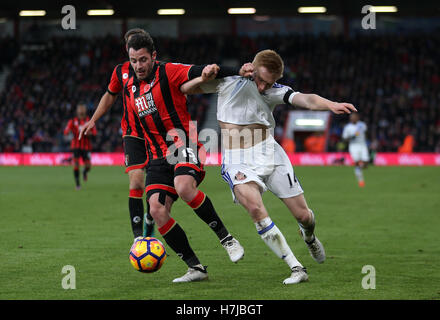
[{"x": 145, "y": 105}]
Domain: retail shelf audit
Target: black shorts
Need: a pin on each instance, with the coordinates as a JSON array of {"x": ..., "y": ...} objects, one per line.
[
  {"x": 161, "y": 174},
  {"x": 135, "y": 153},
  {"x": 81, "y": 153}
]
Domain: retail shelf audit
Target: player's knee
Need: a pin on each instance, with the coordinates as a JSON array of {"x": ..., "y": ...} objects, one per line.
[
  {"x": 256, "y": 210},
  {"x": 136, "y": 180},
  {"x": 185, "y": 189}
]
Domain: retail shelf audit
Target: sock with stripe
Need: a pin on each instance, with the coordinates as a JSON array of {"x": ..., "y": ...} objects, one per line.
[
  {"x": 176, "y": 238},
  {"x": 136, "y": 208},
  {"x": 203, "y": 207},
  {"x": 358, "y": 173},
  {"x": 275, "y": 240}
]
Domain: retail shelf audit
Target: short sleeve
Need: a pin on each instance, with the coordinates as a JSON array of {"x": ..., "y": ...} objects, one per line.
[
  {"x": 177, "y": 73},
  {"x": 280, "y": 94},
  {"x": 115, "y": 86}
]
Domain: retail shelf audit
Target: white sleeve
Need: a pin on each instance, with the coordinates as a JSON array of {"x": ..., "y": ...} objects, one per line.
[{"x": 280, "y": 94}]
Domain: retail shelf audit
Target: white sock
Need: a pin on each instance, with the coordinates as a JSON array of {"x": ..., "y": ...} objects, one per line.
[
  {"x": 359, "y": 174},
  {"x": 275, "y": 240}
]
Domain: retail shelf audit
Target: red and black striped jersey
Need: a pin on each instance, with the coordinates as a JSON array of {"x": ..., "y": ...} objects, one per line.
[
  {"x": 119, "y": 81},
  {"x": 74, "y": 125},
  {"x": 161, "y": 108}
]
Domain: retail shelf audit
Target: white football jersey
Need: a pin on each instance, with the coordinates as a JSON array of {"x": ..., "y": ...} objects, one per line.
[
  {"x": 355, "y": 133},
  {"x": 240, "y": 102}
]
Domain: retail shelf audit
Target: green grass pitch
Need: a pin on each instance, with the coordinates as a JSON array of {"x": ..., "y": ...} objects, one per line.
[{"x": 392, "y": 224}]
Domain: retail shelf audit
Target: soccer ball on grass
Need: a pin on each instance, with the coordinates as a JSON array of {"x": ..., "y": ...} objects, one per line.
[{"x": 147, "y": 254}]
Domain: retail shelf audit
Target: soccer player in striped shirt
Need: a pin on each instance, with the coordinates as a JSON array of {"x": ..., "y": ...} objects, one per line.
[
  {"x": 136, "y": 156},
  {"x": 80, "y": 148},
  {"x": 152, "y": 91}
]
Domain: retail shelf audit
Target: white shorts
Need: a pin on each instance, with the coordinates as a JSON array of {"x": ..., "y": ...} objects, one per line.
[
  {"x": 266, "y": 164},
  {"x": 359, "y": 152}
]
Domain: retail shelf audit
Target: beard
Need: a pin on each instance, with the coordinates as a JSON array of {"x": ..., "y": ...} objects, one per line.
[{"x": 146, "y": 72}]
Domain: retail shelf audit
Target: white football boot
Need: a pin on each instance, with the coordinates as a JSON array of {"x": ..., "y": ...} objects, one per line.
[
  {"x": 234, "y": 249},
  {"x": 315, "y": 247},
  {"x": 193, "y": 274},
  {"x": 299, "y": 274}
]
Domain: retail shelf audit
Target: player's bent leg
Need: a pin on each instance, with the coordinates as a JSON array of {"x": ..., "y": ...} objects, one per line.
[
  {"x": 186, "y": 187},
  {"x": 249, "y": 196},
  {"x": 176, "y": 238},
  {"x": 135, "y": 201},
  {"x": 306, "y": 221}
]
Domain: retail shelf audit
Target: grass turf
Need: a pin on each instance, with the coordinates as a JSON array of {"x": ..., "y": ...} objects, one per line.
[{"x": 391, "y": 224}]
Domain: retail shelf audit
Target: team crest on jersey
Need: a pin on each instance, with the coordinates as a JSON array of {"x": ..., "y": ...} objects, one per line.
[
  {"x": 133, "y": 88},
  {"x": 125, "y": 76},
  {"x": 240, "y": 176},
  {"x": 145, "y": 104}
]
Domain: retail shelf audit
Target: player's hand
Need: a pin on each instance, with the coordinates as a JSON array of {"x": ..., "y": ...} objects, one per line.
[
  {"x": 246, "y": 70},
  {"x": 340, "y": 108},
  {"x": 86, "y": 128},
  {"x": 210, "y": 72}
]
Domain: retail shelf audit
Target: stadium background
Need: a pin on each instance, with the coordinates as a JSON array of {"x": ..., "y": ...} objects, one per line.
[{"x": 391, "y": 74}]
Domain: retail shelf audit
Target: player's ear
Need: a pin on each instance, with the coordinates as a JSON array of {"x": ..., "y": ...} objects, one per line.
[{"x": 154, "y": 55}]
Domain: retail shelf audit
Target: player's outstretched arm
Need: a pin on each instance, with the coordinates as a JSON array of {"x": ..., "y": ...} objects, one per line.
[
  {"x": 209, "y": 72},
  {"x": 104, "y": 105},
  {"x": 314, "y": 102}
]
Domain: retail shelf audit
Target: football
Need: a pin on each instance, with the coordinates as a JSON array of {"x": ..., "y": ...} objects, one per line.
[{"x": 147, "y": 254}]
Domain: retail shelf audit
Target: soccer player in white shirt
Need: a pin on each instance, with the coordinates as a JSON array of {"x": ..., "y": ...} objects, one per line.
[
  {"x": 253, "y": 161},
  {"x": 354, "y": 132}
]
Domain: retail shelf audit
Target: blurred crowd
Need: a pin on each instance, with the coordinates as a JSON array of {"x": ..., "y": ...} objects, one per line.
[{"x": 393, "y": 80}]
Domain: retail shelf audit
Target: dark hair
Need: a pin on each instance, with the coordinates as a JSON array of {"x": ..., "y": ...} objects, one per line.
[
  {"x": 140, "y": 40},
  {"x": 132, "y": 32}
]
